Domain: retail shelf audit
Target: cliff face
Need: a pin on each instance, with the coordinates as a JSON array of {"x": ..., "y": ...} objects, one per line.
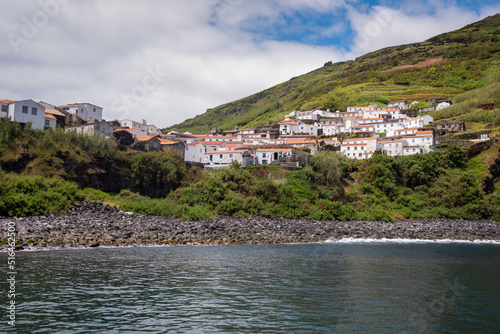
[{"x": 404, "y": 72}]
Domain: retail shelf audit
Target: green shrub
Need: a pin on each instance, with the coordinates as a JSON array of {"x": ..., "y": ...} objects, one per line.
[{"x": 24, "y": 195}]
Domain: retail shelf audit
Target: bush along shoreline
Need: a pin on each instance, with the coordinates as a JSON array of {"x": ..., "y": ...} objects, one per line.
[{"x": 91, "y": 224}]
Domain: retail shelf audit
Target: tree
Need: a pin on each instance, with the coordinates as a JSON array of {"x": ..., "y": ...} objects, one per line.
[{"x": 158, "y": 173}]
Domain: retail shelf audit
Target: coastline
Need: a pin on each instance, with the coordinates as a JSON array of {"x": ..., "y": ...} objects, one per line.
[{"x": 90, "y": 225}]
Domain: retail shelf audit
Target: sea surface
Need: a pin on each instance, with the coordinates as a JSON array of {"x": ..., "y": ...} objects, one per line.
[{"x": 331, "y": 287}]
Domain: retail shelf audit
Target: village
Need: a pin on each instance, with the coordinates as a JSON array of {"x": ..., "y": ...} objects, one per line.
[{"x": 358, "y": 133}]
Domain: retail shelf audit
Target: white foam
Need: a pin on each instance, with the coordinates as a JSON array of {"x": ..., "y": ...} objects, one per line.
[{"x": 409, "y": 241}]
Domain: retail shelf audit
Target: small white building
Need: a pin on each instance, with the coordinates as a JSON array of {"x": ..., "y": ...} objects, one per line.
[
  {"x": 50, "y": 121},
  {"x": 297, "y": 127},
  {"x": 398, "y": 104},
  {"x": 306, "y": 115},
  {"x": 324, "y": 113},
  {"x": 330, "y": 130},
  {"x": 194, "y": 152},
  {"x": 423, "y": 139},
  {"x": 361, "y": 109},
  {"x": 418, "y": 122},
  {"x": 370, "y": 120},
  {"x": 443, "y": 105},
  {"x": 96, "y": 128},
  {"x": 266, "y": 156},
  {"x": 86, "y": 111},
  {"x": 410, "y": 150},
  {"x": 24, "y": 111},
  {"x": 225, "y": 158},
  {"x": 359, "y": 148},
  {"x": 402, "y": 132},
  {"x": 392, "y": 148},
  {"x": 150, "y": 129},
  {"x": 354, "y": 150},
  {"x": 390, "y": 125}
]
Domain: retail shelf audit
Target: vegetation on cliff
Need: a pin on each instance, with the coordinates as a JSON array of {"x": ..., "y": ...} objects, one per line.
[{"x": 438, "y": 184}]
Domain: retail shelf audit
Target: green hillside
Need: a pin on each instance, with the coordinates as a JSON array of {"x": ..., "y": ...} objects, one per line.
[{"x": 469, "y": 60}]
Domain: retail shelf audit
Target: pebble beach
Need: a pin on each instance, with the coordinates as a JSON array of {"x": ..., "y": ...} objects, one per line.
[{"x": 94, "y": 225}]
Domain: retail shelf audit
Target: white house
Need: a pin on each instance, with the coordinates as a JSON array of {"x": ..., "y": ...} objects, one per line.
[
  {"x": 291, "y": 127},
  {"x": 225, "y": 158},
  {"x": 86, "y": 111},
  {"x": 423, "y": 139},
  {"x": 330, "y": 129},
  {"x": 354, "y": 150},
  {"x": 324, "y": 113},
  {"x": 150, "y": 129},
  {"x": 361, "y": 109},
  {"x": 24, "y": 111},
  {"x": 418, "y": 122},
  {"x": 50, "y": 121},
  {"x": 309, "y": 115},
  {"x": 392, "y": 148},
  {"x": 194, "y": 152},
  {"x": 359, "y": 148},
  {"x": 370, "y": 120},
  {"x": 266, "y": 156},
  {"x": 390, "y": 125},
  {"x": 95, "y": 128},
  {"x": 398, "y": 104},
  {"x": 410, "y": 150},
  {"x": 402, "y": 132},
  {"x": 330, "y": 120}
]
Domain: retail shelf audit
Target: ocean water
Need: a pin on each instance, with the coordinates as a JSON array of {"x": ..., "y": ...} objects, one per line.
[{"x": 331, "y": 287}]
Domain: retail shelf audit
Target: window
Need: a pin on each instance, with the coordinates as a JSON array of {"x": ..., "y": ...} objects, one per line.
[
  {"x": 4, "y": 107},
  {"x": 264, "y": 155},
  {"x": 94, "y": 109},
  {"x": 220, "y": 156},
  {"x": 355, "y": 148},
  {"x": 348, "y": 148},
  {"x": 47, "y": 122},
  {"x": 230, "y": 156},
  {"x": 25, "y": 109},
  {"x": 361, "y": 154},
  {"x": 34, "y": 111}
]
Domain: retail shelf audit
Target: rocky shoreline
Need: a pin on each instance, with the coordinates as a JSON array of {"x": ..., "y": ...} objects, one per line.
[{"x": 94, "y": 225}]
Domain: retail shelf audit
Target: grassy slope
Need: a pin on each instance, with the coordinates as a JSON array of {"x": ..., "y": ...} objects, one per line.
[{"x": 471, "y": 53}]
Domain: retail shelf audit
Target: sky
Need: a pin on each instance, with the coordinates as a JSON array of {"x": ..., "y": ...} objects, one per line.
[{"x": 169, "y": 60}]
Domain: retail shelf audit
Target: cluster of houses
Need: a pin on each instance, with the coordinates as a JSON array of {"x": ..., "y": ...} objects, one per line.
[
  {"x": 358, "y": 132},
  {"x": 83, "y": 118}
]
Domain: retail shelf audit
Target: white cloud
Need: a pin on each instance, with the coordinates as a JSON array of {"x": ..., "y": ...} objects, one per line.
[
  {"x": 101, "y": 51},
  {"x": 382, "y": 26}
]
